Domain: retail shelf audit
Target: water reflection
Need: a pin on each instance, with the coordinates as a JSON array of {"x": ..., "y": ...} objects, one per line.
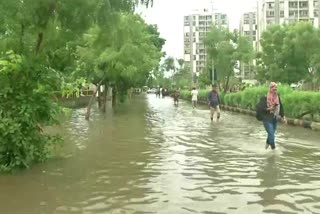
[{"x": 152, "y": 157}]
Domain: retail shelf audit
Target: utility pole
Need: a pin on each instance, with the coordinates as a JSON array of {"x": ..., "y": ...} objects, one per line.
[
  {"x": 212, "y": 60},
  {"x": 212, "y": 72}
]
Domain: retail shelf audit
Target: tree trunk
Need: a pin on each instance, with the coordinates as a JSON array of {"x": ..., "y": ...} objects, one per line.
[
  {"x": 92, "y": 99},
  {"x": 114, "y": 96},
  {"x": 99, "y": 97},
  {"x": 104, "y": 99},
  {"x": 39, "y": 42},
  {"x": 227, "y": 82}
]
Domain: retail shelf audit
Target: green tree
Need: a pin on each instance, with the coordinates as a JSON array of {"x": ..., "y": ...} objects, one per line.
[
  {"x": 39, "y": 49},
  {"x": 290, "y": 53},
  {"x": 225, "y": 49}
]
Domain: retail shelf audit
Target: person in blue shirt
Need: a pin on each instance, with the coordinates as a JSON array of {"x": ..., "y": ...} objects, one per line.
[{"x": 214, "y": 102}]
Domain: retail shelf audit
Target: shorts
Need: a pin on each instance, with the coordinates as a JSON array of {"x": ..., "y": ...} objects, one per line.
[{"x": 214, "y": 110}]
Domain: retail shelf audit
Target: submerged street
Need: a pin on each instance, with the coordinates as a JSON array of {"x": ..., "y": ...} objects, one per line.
[{"x": 153, "y": 157}]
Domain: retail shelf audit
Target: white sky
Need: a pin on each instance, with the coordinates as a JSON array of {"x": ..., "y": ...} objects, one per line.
[{"x": 168, "y": 15}]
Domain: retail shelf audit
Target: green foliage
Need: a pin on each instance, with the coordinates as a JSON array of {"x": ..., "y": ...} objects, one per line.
[
  {"x": 46, "y": 42},
  {"x": 24, "y": 107},
  {"x": 124, "y": 59},
  {"x": 290, "y": 53},
  {"x": 225, "y": 49},
  {"x": 204, "y": 79},
  {"x": 296, "y": 103},
  {"x": 74, "y": 88},
  {"x": 178, "y": 74}
]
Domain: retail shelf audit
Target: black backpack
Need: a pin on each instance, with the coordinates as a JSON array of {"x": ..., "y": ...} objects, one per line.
[{"x": 259, "y": 109}]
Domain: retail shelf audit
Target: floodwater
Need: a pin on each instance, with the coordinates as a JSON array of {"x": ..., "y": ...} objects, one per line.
[{"x": 152, "y": 157}]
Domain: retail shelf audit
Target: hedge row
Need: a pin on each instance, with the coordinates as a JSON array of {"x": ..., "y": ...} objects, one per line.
[{"x": 296, "y": 103}]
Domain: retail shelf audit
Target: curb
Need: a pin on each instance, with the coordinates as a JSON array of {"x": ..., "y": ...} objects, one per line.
[{"x": 294, "y": 122}]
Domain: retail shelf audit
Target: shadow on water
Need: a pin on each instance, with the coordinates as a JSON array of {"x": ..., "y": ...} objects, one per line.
[{"x": 153, "y": 157}]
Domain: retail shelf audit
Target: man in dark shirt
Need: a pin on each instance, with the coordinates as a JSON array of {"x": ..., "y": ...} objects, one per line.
[{"x": 214, "y": 102}]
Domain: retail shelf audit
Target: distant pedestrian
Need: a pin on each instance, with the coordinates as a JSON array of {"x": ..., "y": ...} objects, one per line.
[
  {"x": 194, "y": 97},
  {"x": 214, "y": 102},
  {"x": 272, "y": 111},
  {"x": 176, "y": 95}
]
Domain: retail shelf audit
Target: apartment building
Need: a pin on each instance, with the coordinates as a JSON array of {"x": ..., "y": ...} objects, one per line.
[
  {"x": 196, "y": 26},
  {"x": 249, "y": 28},
  {"x": 286, "y": 11}
]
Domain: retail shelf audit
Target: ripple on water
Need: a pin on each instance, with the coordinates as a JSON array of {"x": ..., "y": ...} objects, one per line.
[{"x": 156, "y": 158}]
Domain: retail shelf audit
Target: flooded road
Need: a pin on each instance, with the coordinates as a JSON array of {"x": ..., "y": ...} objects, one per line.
[{"x": 152, "y": 157}]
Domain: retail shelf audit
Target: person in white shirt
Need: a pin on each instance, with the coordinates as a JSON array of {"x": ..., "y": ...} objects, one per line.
[{"x": 194, "y": 99}]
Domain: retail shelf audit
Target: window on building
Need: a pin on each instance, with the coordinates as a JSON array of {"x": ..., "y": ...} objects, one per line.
[
  {"x": 304, "y": 13},
  {"x": 246, "y": 33},
  {"x": 315, "y": 13},
  {"x": 303, "y": 4},
  {"x": 186, "y": 23},
  {"x": 194, "y": 57},
  {"x": 246, "y": 21},
  {"x": 293, "y": 4},
  {"x": 293, "y": 13},
  {"x": 270, "y": 5},
  {"x": 315, "y": 3},
  {"x": 281, "y": 13},
  {"x": 194, "y": 23},
  {"x": 270, "y": 13}
]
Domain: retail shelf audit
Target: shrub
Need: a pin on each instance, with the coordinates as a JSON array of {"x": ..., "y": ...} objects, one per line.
[
  {"x": 25, "y": 106},
  {"x": 296, "y": 103}
]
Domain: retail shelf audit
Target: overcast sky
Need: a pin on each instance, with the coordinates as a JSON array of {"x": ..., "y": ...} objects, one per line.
[{"x": 168, "y": 15}]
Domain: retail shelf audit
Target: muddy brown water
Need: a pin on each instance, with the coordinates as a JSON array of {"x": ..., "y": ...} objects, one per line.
[{"x": 152, "y": 157}]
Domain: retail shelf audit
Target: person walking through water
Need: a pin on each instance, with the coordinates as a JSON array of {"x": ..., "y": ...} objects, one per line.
[
  {"x": 214, "y": 102},
  {"x": 194, "y": 98},
  {"x": 176, "y": 95},
  {"x": 272, "y": 111}
]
